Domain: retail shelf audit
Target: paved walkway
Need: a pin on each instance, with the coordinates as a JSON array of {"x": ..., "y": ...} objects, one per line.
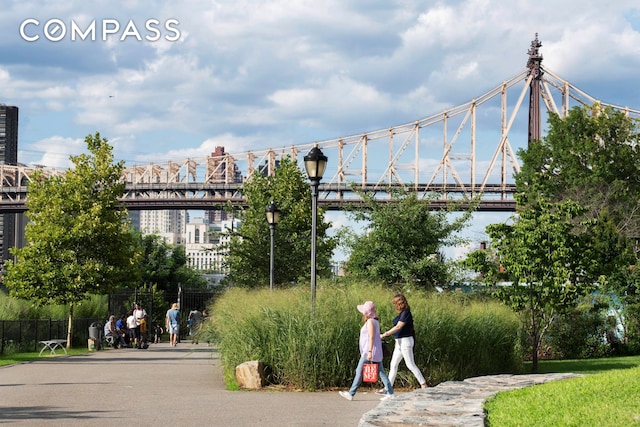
[
  {"x": 163, "y": 385},
  {"x": 184, "y": 386}
]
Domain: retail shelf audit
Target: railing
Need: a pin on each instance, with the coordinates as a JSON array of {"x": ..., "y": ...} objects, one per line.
[{"x": 25, "y": 335}]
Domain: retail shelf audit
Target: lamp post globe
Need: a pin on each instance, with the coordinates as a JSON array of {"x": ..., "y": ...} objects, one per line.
[{"x": 315, "y": 163}]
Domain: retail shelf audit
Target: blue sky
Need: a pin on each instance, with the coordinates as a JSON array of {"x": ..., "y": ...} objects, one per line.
[{"x": 251, "y": 75}]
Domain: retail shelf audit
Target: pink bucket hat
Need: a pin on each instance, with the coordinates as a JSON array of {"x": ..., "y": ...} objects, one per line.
[{"x": 368, "y": 309}]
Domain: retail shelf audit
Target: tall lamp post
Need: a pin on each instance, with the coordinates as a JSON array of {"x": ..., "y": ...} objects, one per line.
[
  {"x": 273, "y": 217},
  {"x": 315, "y": 162}
]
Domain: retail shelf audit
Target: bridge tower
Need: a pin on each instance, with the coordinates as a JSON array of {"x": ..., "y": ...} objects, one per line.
[{"x": 535, "y": 73}]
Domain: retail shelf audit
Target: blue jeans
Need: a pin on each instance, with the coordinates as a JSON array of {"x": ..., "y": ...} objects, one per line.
[{"x": 358, "y": 378}]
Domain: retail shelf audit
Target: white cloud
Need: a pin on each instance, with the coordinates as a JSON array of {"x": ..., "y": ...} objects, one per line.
[
  {"x": 251, "y": 75},
  {"x": 56, "y": 151}
]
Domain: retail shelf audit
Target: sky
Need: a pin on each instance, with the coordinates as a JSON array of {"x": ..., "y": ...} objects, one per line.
[{"x": 177, "y": 78}]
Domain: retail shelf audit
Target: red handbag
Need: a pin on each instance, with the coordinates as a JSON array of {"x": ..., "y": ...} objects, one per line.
[{"x": 370, "y": 372}]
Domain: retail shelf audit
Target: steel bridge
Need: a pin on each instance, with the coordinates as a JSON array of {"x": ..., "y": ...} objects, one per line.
[{"x": 463, "y": 153}]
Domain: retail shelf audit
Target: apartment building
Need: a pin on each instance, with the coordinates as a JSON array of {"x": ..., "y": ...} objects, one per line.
[{"x": 9, "y": 222}]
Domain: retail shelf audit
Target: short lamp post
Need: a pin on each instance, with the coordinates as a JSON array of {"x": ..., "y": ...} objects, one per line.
[
  {"x": 315, "y": 163},
  {"x": 273, "y": 217}
]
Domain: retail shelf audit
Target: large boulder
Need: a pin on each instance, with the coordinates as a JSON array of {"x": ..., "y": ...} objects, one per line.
[{"x": 251, "y": 374}]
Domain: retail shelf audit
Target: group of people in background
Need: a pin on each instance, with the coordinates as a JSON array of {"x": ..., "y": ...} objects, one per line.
[
  {"x": 173, "y": 319},
  {"x": 134, "y": 330},
  {"x": 370, "y": 344},
  {"x": 128, "y": 331}
]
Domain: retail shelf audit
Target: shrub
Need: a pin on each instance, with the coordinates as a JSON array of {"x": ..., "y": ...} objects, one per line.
[
  {"x": 456, "y": 338},
  {"x": 580, "y": 334}
]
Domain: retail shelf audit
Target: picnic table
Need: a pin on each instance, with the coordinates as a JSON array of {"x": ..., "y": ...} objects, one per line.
[{"x": 52, "y": 345}]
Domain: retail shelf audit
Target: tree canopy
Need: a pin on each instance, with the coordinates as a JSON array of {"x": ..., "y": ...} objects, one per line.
[
  {"x": 79, "y": 241},
  {"x": 166, "y": 265},
  {"x": 577, "y": 203},
  {"x": 403, "y": 241},
  {"x": 592, "y": 157},
  {"x": 549, "y": 261},
  {"x": 249, "y": 247}
]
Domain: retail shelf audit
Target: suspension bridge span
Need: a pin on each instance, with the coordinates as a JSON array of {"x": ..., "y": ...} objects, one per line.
[{"x": 463, "y": 153}]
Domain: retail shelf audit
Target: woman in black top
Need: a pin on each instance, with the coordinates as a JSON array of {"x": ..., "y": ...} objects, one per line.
[{"x": 404, "y": 335}]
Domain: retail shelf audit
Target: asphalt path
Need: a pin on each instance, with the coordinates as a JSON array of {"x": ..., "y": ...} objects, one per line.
[{"x": 162, "y": 385}]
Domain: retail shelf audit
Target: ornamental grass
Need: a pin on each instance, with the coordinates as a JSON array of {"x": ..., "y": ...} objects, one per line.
[{"x": 310, "y": 350}]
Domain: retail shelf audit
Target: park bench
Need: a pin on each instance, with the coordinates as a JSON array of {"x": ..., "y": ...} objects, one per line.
[{"x": 52, "y": 345}]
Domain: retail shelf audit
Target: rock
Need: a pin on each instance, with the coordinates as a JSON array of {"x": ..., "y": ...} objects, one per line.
[{"x": 251, "y": 375}]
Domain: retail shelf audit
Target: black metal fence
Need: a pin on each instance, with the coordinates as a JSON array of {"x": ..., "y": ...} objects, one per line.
[
  {"x": 25, "y": 335},
  {"x": 156, "y": 307}
]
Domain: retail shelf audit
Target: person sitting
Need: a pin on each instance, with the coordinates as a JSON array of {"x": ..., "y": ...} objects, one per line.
[
  {"x": 111, "y": 335},
  {"x": 121, "y": 326}
]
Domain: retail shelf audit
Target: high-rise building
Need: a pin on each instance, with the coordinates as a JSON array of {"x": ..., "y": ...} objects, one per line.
[
  {"x": 8, "y": 135},
  {"x": 8, "y": 156},
  {"x": 221, "y": 169},
  {"x": 168, "y": 224}
]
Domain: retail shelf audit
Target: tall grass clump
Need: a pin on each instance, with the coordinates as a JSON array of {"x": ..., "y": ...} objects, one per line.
[
  {"x": 456, "y": 338},
  {"x": 19, "y": 309}
]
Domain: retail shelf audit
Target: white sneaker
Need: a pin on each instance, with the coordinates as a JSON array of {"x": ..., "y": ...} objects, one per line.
[
  {"x": 346, "y": 395},
  {"x": 388, "y": 396}
]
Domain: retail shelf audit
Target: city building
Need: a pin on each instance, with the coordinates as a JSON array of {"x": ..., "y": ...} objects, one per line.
[
  {"x": 221, "y": 169},
  {"x": 8, "y": 135},
  {"x": 10, "y": 223},
  {"x": 204, "y": 244},
  {"x": 168, "y": 224}
]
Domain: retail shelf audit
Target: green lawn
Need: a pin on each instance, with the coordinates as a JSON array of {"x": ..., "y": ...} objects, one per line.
[
  {"x": 27, "y": 357},
  {"x": 607, "y": 395}
]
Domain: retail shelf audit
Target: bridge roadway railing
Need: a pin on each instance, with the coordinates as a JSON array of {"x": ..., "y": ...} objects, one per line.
[{"x": 211, "y": 196}]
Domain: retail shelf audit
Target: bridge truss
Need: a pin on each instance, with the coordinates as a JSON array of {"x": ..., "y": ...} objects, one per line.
[{"x": 464, "y": 152}]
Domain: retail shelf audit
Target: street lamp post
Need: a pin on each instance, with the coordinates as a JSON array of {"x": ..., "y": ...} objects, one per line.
[
  {"x": 273, "y": 216},
  {"x": 315, "y": 162}
]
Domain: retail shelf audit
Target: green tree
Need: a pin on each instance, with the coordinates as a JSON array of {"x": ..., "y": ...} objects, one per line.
[
  {"x": 403, "y": 241},
  {"x": 593, "y": 157},
  {"x": 155, "y": 264},
  {"x": 78, "y": 239},
  {"x": 182, "y": 273},
  {"x": 549, "y": 259},
  {"x": 249, "y": 247},
  {"x": 166, "y": 265}
]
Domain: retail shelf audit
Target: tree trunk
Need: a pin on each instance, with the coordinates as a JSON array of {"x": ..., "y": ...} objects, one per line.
[
  {"x": 535, "y": 341},
  {"x": 536, "y": 344},
  {"x": 70, "y": 326}
]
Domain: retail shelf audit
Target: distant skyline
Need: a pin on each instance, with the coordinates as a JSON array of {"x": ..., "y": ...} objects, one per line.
[{"x": 178, "y": 78}]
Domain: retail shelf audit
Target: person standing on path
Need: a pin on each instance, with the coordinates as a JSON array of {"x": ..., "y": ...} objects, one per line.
[
  {"x": 131, "y": 327},
  {"x": 138, "y": 314},
  {"x": 370, "y": 350},
  {"x": 172, "y": 323},
  {"x": 404, "y": 335},
  {"x": 195, "y": 317}
]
